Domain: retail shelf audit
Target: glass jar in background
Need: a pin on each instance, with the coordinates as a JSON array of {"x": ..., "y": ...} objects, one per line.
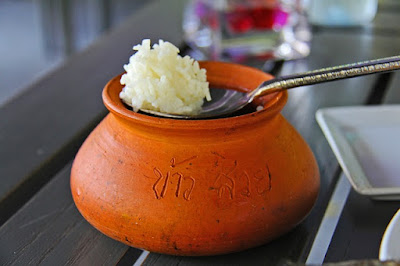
[
  {"x": 342, "y": 12},
  {"x": 239, "y": 29}
]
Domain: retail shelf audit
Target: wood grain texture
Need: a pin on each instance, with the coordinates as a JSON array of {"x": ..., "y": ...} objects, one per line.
[
  {"x": 49, "y": 230},
  {"x": 41, "y": 130},
  {"x": 392, "y": 95},
  {"x": 360, "y": 229}
]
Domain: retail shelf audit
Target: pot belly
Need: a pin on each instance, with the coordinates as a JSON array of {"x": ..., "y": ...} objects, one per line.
[{"x": 194, "y": 199}]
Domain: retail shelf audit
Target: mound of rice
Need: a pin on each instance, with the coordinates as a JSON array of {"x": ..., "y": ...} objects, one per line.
[{"x": 159, "y": 79}]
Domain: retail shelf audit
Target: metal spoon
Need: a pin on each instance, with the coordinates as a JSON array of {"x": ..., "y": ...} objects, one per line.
[{"x": 229, "y": 101}]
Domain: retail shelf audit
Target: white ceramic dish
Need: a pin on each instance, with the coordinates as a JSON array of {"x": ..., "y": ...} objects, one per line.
[
  {"x": 390, "y": 245},
  {"x": 366, "y": 142}
]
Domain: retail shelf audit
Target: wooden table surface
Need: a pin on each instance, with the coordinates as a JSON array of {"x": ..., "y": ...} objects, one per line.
[{"x": 42, "y": 129}]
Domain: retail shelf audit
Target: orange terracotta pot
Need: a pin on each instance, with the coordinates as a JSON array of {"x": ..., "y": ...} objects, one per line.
[{"x": 196, "y": 187}]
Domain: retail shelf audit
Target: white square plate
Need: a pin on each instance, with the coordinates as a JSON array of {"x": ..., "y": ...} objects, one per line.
[{"x": 366, "y": 142}]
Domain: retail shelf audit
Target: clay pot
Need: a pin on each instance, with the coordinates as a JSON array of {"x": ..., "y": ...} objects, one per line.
[{"x": 196, "y": 187}]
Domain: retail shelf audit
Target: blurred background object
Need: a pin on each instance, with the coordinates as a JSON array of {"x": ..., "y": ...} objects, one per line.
[
  {"x": 38, "y": 35},
  {"x": 342, "y": 12},
  {"x": 240, "y": 29}
]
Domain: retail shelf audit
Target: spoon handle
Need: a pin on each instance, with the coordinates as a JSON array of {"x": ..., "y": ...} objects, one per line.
[{"x": 328, "y": 74}]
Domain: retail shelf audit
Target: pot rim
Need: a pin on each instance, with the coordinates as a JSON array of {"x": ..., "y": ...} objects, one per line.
[{"x": 272, "y": 104}]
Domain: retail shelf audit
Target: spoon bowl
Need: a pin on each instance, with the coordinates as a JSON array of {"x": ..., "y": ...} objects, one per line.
[
  {"x": 223, "y": 102},
  {"x": 227, "y": 101}
]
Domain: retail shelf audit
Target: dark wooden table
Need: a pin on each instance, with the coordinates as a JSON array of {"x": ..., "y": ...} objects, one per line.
[{"x": 41, "y": 131}]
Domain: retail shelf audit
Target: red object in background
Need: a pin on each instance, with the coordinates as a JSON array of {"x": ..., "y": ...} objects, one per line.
[
  {"x": 263, "y": 18},
  {"x": 242, "y": 19}
]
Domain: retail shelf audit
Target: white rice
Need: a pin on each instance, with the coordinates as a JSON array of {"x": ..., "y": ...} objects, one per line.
[{"x": 159, "y": 79}]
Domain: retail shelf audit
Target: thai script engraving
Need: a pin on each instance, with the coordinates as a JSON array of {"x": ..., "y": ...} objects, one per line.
[
  {"x": 174, "y": 163},
  {"x": 263, "y": 180},
  {"x": 242, "y": 184},
  {"x": 224, "y": 184},
  {"x": 182, "y": 184}
]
